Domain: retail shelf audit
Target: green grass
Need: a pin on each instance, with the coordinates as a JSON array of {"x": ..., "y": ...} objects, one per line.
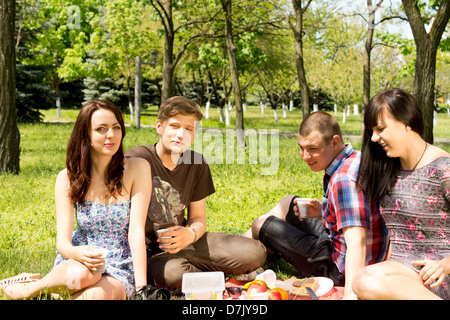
[{"x": 27, "y": 209}]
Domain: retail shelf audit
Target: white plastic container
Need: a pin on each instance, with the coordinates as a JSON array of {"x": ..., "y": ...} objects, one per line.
[{"x": 203, "y": 285}]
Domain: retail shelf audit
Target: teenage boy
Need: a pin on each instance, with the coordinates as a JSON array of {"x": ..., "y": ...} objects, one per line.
[
  {"x": 181, "y": 179},
  {"x": 344, "y": 232}
]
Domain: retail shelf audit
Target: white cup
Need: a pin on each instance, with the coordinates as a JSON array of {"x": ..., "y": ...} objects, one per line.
[
  {"x": 104, "y": 253},
  {"x": 158, "y": 232},
  {"x": 269, "y": 277},
  {"x": 303, "y": 207}
]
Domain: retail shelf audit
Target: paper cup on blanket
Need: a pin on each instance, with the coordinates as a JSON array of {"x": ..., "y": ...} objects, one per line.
[{"x": 269, "y": 277}]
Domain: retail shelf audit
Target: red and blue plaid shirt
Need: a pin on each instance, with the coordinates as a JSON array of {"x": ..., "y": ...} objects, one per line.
[{"x": 344, "y": 205}]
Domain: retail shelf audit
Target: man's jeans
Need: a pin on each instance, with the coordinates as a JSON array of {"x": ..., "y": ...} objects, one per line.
[
  {"x": 304, "y": 244},
  {"x": 232, "y": 254}
]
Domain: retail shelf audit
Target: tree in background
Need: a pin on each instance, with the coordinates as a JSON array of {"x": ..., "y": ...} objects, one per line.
[
  {"x": 117, "y": 38},
  {"x": 297, "y": 29},
  {"x": 372, "y": 8},
  {"x": 231, "y": 50},
  {"x": 191, "y": 23},
  {"x": 9, "y": 133},
  {"x": 59, "y": 34},
  {"x": 367, "y": 55},
  {"x": 427, "y": 44},
  {"x": 73, "y": 41}
]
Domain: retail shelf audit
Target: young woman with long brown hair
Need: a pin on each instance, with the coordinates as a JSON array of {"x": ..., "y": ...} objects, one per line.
[{"x": 110, "y": 194}]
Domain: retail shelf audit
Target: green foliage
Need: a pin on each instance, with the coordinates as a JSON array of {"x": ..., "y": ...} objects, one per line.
[
  {"x": 407, "y": 48},
  {"x": 31, "y": 93},
  {"x": 444, "y": 45},
  {"x": 99, "y": 39},
  {"x": 34, "y": 93},
  {"x": 117, "y": 38},
  {"x": 106, "y": 89}
]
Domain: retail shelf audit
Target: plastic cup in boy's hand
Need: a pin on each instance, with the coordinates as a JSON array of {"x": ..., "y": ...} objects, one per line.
[{"x": 159, "y": 232}]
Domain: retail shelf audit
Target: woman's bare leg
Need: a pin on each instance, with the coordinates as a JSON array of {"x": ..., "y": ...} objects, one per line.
[
  {"x": 390, "y": 280},
  {"x": 70, "y": 276},
  {"x": 108, "y": 288}
]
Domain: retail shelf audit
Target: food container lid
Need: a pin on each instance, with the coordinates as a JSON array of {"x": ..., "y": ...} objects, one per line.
[{"x": 202, "y": 282}]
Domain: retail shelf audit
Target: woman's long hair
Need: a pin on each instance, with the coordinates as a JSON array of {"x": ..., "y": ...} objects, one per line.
[
  {"x": 378, "y": 172},
  {"x": 78, "y": 161}
]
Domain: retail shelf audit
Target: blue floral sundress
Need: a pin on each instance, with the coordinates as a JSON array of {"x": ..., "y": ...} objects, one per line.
[{"x": 106, "y": 226}]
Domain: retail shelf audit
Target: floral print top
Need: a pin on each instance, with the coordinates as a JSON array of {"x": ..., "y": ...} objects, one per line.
[
  {"x": 417, "y": 216},
  {"x": 106, "y": 226}
]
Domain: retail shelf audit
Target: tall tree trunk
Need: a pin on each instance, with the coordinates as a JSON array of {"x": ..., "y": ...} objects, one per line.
[
  {"x": 128, "y": 83},
  {"x": 164, "y": 10},
  {"x": 367, "y": 58},
  {"x": 9, "y": 132},
  {"x": 231, "y": 48},
  {"x": 220, "y": 101},
  {"x": 426, "y": 49},
  {"x": 168, "y": 65},
  {"x": 298, "y": 37},
  {"x": 138, "y": 92}
]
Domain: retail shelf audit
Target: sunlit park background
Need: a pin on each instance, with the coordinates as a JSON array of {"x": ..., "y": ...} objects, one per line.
[{"x": 250, "y": 65}]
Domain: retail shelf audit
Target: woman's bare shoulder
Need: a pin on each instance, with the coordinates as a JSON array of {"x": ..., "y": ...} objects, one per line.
[
  {"x": 135, "y": 166},
  {"x": 63, "y": 175},
  {"x": 436, "y": 152}
]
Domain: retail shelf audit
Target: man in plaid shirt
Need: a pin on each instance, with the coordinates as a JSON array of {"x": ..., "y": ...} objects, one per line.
[{"x": 344, "y": 232}]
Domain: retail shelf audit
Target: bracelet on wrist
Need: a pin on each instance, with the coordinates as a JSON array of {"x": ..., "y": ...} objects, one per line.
[{"x": 195, "y": 233}]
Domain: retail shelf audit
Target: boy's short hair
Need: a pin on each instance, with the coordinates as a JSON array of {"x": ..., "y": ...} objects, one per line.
[
  {"x": 322, "y": 122},
  {"x": 179, "y": 105}
]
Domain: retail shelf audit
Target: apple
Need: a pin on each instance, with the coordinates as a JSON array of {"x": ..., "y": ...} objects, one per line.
[
  {"x": 274, "y": 295},
  {"x": 257, "y": 281},
  {"x": 255, "y": 288}
]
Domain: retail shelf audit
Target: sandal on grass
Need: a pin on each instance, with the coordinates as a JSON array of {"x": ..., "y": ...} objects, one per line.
[{"x": 20, "y": 278}]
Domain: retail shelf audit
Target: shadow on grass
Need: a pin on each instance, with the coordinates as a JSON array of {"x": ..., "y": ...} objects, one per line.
[{"x": 282, "y": 268}]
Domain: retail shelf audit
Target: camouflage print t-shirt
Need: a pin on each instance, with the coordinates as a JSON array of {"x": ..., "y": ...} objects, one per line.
[{"x": 173, "y": 190}]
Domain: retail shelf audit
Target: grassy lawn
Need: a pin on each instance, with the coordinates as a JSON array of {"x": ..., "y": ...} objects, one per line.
[{"x": 243, "y": 192}]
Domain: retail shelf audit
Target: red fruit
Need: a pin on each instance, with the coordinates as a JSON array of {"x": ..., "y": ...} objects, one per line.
[
  {"x": 274, "y": 295},
  {"x": 255, "y": 288}
]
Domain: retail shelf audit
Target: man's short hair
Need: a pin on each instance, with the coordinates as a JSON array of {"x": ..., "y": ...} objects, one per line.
[
  {"x": 179, "y": 105},
  {"x": 322, "y": 122}
]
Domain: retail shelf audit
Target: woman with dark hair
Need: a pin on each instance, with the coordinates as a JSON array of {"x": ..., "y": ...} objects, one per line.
[
  {"x": 411, "y": 180},
  {"x": 105, "y": 258},
  {"x": 78, "y": 160}
]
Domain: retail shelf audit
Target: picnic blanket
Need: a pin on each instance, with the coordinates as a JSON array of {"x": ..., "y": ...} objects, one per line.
[{"x": 335, "y": 293}]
